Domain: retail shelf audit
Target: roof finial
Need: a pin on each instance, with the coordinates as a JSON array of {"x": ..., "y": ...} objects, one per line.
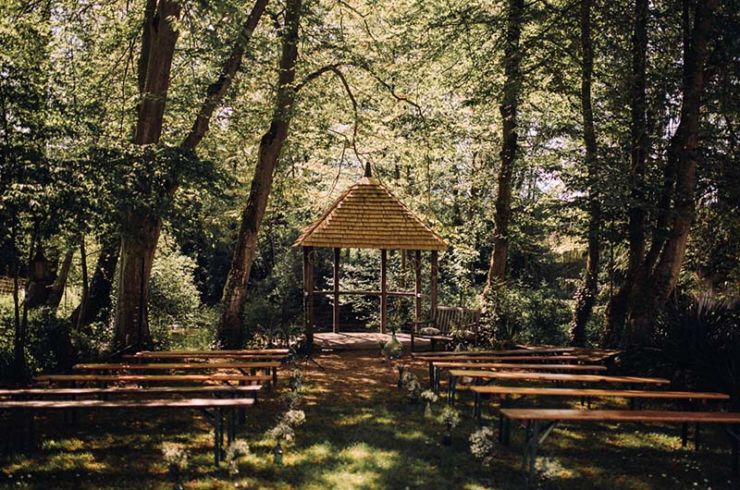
[{"x": 368, "y": 170}]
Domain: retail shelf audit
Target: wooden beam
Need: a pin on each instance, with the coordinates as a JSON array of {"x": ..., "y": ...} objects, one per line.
[
  {"x": 308, "y": 277},
  {"x": 330, "y": 292},
  {"x": 335, "y": 292},
  {"x": 383, "y": 290},
  {"x": 433, "y": 285},
  {"x": 417, "y": 295}
]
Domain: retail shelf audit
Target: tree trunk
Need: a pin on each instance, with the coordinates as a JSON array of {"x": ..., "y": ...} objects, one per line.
[
  {"x": 98, "y": 298},
  {"x": 230, "y": 329},
  {"x": 41, "y": 276},
  {"x": 619, "y": 303},
  {"x": 56, "y": 291},
  {"x": 586, "y": 295},
  {"x": 137, "y": 255},
  {"x": 19, "y": 369},
  {"x": 683, "y": 157},
  {"x": 140, "y": 231},
  {"x": 508, "y": 109}
]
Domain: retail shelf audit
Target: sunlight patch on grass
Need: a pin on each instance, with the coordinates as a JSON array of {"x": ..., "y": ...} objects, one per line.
[
  {"x": 317, "y": 453},
  {"x": 639, "y": 439},
  {"x": 411, "y": 435},
  {"x": 71, "y": 462},
  {"x": 71, "y": 444}
]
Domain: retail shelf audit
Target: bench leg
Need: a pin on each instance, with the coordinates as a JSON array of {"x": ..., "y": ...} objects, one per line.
[
  {"x": 451, "y": 389},
  {"x": 733, "y": 432},
  {"x": 231, "y": 434},
  {"x": 736, "y": 455},
  {"x": 217, "y": 440},
  {"x": 477, "y": 411},
  {"x": 432, "y": 384},
  {"x": 531, "y": 441},
  {"x": 696, "y": 436}
]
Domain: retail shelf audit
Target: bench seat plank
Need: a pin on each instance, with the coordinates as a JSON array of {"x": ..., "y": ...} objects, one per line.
[
  {"x": 497, "y": 352},
  {"x": 552, "y": 414},
  {"x": 183, "y": 378},
  {"x": 585, "y": 378},
  {"x": 578, "y": 392},
  {"x": 177, "y": 365},
  {"x": 157, "y": 403},
  {"x": 527, "y": 367},
  {"x": 203, "y": 358},
  {"x": 210, "y": 352},
  {"x": 550, "y": 359},
  {"x": 131, "y": 390}
]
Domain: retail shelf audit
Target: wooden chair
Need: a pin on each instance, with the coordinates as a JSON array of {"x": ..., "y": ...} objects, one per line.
[{"x": 445, "y": 319}]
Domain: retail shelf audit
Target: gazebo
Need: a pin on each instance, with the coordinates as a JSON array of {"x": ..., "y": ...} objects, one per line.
[{"x": 368, "y": 216}]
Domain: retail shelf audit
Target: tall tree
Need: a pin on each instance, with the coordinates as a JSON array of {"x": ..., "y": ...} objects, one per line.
[
  {"x": 509, "y": 146},
  {"x": 619, "y": 303},
  {"x": 230, "y": 328},
  {"x": 683, "y": 156},
  {"x": 586, "y": 295},
  {"x": 141, "y": 230}
]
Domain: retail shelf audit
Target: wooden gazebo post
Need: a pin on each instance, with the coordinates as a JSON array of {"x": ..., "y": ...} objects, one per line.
[
  {"x": 417, "y": 294},
  {"x": 433, "y": 283},
  {"x": 308, "y": 273},
  {"x": 383, "y": 290},
  {"x": 335, "y": 315}
]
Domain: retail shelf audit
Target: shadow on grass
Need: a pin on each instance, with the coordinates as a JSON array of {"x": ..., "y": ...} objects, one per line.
[{"x": 359, "y": 433}]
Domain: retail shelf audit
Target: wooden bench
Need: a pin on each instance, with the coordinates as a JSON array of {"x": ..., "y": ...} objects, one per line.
[
  {"x": 501, "y": 366},
  {"x": 149, "y": 378},
  {"x": 250, "y": 390},
  {"x": 540, "y": 422},
  {"x": 504, "y": 393},
  {"x": 432, "y": 359},
  {"x": 244, "y": 367},
  {"x": 212, "y": 408},
  {"x": 279, "y": 351},
  {"x": 177, "y": 357},
  {"x": 532, "y": 351},
  {"x": 444, "y": 319},
  {"x": 553, "y": 377}
]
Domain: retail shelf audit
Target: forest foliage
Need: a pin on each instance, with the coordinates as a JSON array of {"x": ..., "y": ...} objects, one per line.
[{"x": 416, "y": 89}]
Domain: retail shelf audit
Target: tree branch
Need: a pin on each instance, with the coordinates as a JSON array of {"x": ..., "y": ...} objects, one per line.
[{"x": 217, "y": 90}]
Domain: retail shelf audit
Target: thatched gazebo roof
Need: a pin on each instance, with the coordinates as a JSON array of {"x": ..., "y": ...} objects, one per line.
[{"x": 367, "y": 215}]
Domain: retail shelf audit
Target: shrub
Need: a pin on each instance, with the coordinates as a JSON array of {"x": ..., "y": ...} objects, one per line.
[
  {"x": 700, "y": 341},
  {"x": 514, "y": 313},
  {"x": 174, "y": 299}
]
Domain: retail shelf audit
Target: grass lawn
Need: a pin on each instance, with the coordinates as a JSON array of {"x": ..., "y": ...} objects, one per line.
[{"x": 359, "y": 433}]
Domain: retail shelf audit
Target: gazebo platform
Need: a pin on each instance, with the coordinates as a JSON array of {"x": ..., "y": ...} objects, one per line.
[{"x": 364, "y": 341}]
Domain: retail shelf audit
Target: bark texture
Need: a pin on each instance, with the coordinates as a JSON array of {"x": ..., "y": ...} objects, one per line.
[
  {"x": 618, "y": 307},
  {"x": 140, "y": 231},
  {"x": 230, "y": 328},
  {"x": 586, "y": 295},
  {"x": 97, "y": 298},
  {"x": 508, "y": 109},
  {"x": 56, "y": 291}
]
